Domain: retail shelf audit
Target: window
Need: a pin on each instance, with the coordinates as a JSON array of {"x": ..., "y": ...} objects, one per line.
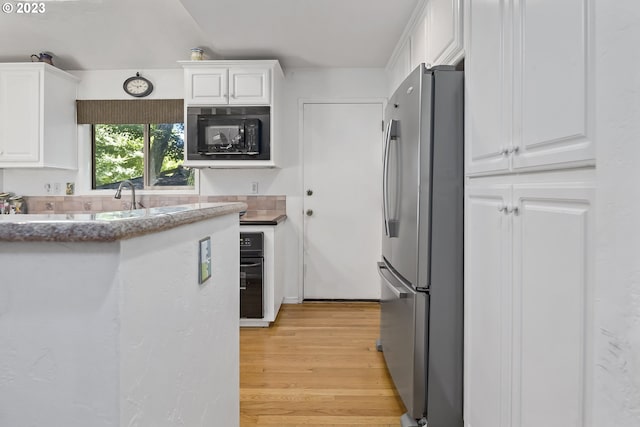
[
  {"x": 126, "y": 147},
  {"x": 148, "y": 155}
]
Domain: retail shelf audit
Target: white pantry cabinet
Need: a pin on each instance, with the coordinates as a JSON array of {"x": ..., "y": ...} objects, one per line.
[
  {"x": 213, "y": 83},
  {"x": 529, "y": 85},
  {"x": 273, "y": 275},
  {"x": 37, "y": 117},
  {"x": 528, "y": 296}
]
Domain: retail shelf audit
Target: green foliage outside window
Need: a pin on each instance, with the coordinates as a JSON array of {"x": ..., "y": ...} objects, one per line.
[{"x": 120, "y": 155}]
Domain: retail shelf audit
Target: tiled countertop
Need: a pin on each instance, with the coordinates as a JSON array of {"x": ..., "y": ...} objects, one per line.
[
  {"x": 255, "y": 218},
  {"x": 107, "y": 226}
]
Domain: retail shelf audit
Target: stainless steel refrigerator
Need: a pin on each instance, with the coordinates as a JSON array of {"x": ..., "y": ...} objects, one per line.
[{"x": 421, "y": 332}]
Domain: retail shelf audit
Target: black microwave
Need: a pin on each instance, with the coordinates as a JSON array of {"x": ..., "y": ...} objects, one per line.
[{"x": 228, "y": 133}]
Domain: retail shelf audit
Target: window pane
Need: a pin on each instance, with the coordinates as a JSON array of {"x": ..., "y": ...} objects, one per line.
[
  {"x": 166, "y": 156},
  {"x": 119, "y": 155}
]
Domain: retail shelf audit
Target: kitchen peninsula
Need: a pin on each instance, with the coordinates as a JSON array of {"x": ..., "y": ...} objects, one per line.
[{"x": 104, "y": 321}]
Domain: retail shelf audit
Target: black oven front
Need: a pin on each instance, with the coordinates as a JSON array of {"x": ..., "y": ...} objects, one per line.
[
  {"x": 228, "y": 133},
  {"x": 251, "y": 275}
]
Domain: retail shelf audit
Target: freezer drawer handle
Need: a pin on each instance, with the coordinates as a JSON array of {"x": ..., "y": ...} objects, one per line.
[{"x": 397, "y": 292}]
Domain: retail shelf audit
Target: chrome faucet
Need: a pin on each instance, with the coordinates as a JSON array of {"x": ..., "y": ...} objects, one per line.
[{"x": 133, "y": 192}]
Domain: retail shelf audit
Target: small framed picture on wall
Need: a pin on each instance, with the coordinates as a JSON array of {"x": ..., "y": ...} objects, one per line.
[{"x": 204, "y": 260}]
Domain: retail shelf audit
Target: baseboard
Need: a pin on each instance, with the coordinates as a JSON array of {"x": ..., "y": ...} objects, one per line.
[{"x": 290, "y": 300}]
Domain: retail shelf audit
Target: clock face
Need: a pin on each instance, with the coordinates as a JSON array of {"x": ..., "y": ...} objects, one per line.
[{"x": 138, "y": 86}]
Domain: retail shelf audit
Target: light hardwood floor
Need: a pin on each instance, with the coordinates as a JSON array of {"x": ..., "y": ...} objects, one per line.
[{"x": 317, "y": 366}]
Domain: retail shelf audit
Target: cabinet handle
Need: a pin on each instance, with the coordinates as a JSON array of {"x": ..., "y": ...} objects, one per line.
[
  {"x": 513, "y": 210},
  {"x": 502, "y": 208},
  {"x": 504, "y": 150},
  {"x": 514, "y": 149}
]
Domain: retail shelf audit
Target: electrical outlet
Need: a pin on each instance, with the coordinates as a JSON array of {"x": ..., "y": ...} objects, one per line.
[
  {"x": 254, "y": 187},
  {"x": 57, "y": 188}
]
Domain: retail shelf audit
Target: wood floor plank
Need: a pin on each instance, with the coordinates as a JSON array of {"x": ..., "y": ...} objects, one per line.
[{"x": 317, "y": 366}]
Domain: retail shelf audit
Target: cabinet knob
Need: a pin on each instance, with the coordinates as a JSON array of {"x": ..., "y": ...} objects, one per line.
[
  {"x": 502, "y": 208},
  {"x": 309, "y": 192},
  {"x": 309, "y": 212},
  {"x": 504, "y": 150},
  {"x": 514, "y": 149}
]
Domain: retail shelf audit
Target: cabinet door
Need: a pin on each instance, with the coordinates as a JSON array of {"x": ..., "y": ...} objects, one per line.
[
  {"x": 400, "y": 67},
  {"x": 553, "y": 83},
  {"x": 249, "y": 86},
  {"x": 207, "y": 86},
  {"x": 487, "y": 113},
  {"x": 443, "y": 32},
  {"x": 487, "y": 307},
  {"x": 20, "y": 115},
  {"x": 419, "y": 44},
  {"x": 552, "y": 306}
]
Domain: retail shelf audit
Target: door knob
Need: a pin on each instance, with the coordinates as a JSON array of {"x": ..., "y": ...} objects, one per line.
[
  {"x": 309, "y": 212},
  {"x": 309, "y": 192}
]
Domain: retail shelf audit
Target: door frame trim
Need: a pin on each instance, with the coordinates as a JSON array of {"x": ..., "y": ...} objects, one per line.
[{"x": 301, "y": 103}]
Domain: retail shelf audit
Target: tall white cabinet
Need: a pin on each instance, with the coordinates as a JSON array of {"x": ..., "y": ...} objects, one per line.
[{"x": 529, "y": 213}]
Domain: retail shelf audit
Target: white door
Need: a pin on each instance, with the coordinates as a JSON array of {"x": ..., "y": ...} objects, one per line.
[
  {"x": 207, "y": 86},
  {"x": 552, "y": 295},
  {"x": 20, "y": 115},
  {"x": 487, "y": 99},
  {"x": 487, "y": 307},
  {"x": 342, "y": 200},
  {"x": 249, "y": 86}
]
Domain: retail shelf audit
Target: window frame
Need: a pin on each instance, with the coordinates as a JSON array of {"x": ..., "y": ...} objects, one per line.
[{"x": 146, "y": 187}]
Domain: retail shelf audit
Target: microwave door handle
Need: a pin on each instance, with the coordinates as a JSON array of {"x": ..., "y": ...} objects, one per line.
[{"x": 385, "y": 179}]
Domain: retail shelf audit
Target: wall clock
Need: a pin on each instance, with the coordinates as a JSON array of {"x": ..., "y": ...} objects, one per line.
[{"x": 137, "y": 86}]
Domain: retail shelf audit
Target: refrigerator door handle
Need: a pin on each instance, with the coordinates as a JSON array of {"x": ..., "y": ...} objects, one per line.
[
  {"x": 399, "y": 293},
  {"x": 390, "y": 226},
  {"x": 385, "y": 179}
]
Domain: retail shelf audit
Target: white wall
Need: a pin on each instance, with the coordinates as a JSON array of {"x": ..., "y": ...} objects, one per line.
[
  {"x": 168, "y": 83},
  {"x": 617, "y": 382}
]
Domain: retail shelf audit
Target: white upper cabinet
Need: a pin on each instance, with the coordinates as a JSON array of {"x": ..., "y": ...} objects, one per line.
[
  {"x": 37, "y": 117},
  {"x": 444, "y": 41},
  {"x": 418, "y": 44},
  {"x": 433, "y": 36},
  {"x": 237, "y": 83},
  {"x": 249, "y": 86},
  {"x": 208, "y": 86},
  {"x": 529, "y": 85},
  {"x": 400, "y": 66},
  {"x": 487, "y": 118},
  {"x": 210, "y": 83},
  {"x": 552, "y": 83}
]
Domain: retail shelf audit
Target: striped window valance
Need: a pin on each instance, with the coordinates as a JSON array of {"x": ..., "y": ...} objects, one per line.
[{"x": 130, "y": 111}]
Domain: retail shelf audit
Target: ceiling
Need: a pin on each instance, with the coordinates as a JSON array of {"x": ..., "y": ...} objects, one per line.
[{"x": 130, "y": 34}]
